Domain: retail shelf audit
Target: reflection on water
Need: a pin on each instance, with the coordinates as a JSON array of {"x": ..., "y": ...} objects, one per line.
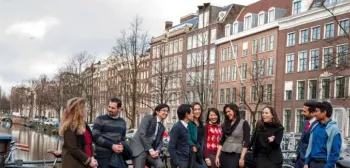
[{"x": 37, "y": 141}]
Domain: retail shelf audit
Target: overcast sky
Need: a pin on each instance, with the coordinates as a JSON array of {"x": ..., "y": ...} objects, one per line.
[{"x": 38, "y": 36}]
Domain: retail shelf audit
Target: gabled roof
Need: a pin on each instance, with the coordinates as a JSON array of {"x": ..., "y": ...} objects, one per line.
[
  {"x": 265, "y": 5},
  {"x": 225, "y": 9}
]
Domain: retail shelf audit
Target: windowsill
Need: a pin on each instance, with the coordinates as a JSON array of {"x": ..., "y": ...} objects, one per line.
[
  {"x": 288, "y": 100},
  {"x": 303, "y": 43},
  {"x": 300, "y": 99},
  {"x": 291, "y": 46},
  {"x": 289, "y": 72},
  {"x": 301, "y": 71},
  {"x": 311, "y": 70},
  {"x": 272, "y": 50},
  {"x": 316, "y": 40},
  {"x": 326, "y": 38}
]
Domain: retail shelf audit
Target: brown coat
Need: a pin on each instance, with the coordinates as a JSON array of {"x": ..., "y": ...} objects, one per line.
[{"x": 73, "y": 153}]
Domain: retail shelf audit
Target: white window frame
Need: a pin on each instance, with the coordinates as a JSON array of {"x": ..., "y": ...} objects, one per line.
[
  {"x": 293, "y": 10},
  {"x": 308, "y": 89},
  {"x": 311, "y": 39},
  {"x": 297, "y": 89},
  {"x": 273, "y": 45},
  {"x": 289, "y": 45},
  {"x": 339, "y": 29},
  {"x": 296, "y": 119},
  {"x": 335, "y": 87},
  {"x": 308, "y": 35},
  {"x": 261, "y": 48},
  {"x": 325, "y": 28},
  {"x": 323, "y": 54},
  {"x": 262, "y": 13},
  {"x": 285, "y": 90},
  {"x": 272, "y": 9},
  {"x": 321, "y": 89},
  {"x": 235, "y": 27},
  {"x": 316, "y": 49},
  {"x": 307, "y": 60},
  {"x": 286, "y": 70},
  {"x": 337, "y": 52},
  {"x": 227, "y": 30},
  {"x": 248, "y": 26}
]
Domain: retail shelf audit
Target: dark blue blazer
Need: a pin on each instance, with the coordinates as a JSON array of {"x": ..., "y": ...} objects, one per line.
[{"x": 304, "y": 140}]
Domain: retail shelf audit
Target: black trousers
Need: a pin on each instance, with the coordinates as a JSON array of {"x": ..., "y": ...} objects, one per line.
[
  {"x": 314, "y": 164},
  {"x": 263, "y": 161},
  {"x": 229, "y": 160}
]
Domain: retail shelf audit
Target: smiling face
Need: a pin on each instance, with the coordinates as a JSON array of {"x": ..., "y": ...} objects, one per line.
[
  {"x": 306, "y": 113},
  {"x": 197, "y": 111},
  {"x": 267, "y": 115},
  {"x": 163, "y": 113},
  {"x": 113, "y": 109},
  {"x": 213, "y": 118},
  {"x": 230, "y": 114}
]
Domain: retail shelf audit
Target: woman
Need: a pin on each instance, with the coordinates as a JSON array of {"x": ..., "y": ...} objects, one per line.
[
  {"x": 212, "y": 136},
  {"x": 77, "y": 151},
  {"x": 235, "y": 140},
  {"x": 195, "y": 137},
  {"x": 269, "y": 136}
]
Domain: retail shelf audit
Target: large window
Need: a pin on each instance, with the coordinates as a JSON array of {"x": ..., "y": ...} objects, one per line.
[
  {"x": 229, "y": 53},
  {"x": 263, "y": 44},
  {"x": 235, "y": 51},
  {"x": 212, "y": 56},
  {"x": 270, "y": 66},
  {"x": 302, "y": 61},
  {"x": 243, "y": 94},
  {"x": 340, "y": 87},
  {"x": 290, "y": 63},
  {"x": 342, "y": 54},
  {"x": 222, "y": 74},
  {"x": 329, "y": 32},
  {"x": 234, "y": 95},
  {"x": 222, "y": 94},
  {"x": 316, "y": 33},
  {"x": 223, "y": 54},
  {"x": 271, "y": 15},
  {"x": 268, "y": 92},
  {"x": 228, "y": 95},
  {"x": 343, "y": 28},
  {"x": 181, "y": 45},
  {"x": 228, "y": 74},
  {"x": 288, "y": 88},
  {"x": 234, "y": 72},
  {"x": 304, "y": 36},
  {"x": 313, "y": 89},
  {"x": 314, "y": 60},
  {"x": 326, "y": 88},
  {"x": 287, "y": 119},
  {"x": 245, "y": 48},
  {"x": 247, "y": 22},
  {"x": 299, "y": 122},
  {"x": 327, "y": 57},
  {"x": 301, "y": 90},
  {"x": 252, "y": 94},
  {"x": 244, "y": 70},
  {"x": 291, "y": 39},
  {"x": 296, "y": 7},
  {"x": 255, "y": 46},
  {"x": 271, "y": 42}
]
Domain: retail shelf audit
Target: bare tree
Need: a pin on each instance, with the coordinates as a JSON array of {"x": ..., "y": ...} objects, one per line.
[{"x": 130, "y": 50}]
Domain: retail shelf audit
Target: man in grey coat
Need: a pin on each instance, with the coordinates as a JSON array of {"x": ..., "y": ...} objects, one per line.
[{"x": 148, "y": 140}]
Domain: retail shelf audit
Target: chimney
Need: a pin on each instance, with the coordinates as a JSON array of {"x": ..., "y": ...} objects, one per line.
[{"x": 168, "y": 24}]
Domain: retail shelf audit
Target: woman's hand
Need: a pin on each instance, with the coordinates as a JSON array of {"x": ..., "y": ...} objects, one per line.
[
  {"x": 93, "y": 163},
  {"x": 271, "y": 138},
  {"x": 241, "y": 162},
  {"x": 217, "y": 162}
]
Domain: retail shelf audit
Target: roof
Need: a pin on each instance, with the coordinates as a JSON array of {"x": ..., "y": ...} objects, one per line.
[
  {"x": 225, "y": 9},
  {"x": 191, "y": 22},
  {"x": 265, "y": 5}
]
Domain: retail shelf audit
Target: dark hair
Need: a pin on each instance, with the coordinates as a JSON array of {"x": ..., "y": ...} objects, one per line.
[
  {"x": 216, "y": 111},
  {"x": 227, "y": 126},
  {"x": 325, "y": 106},
  {"x": 159, "y": 107},
  {"x": 197, "y": 103},
  {"x": 116, "y": 100},
  {"x": 311, "y": 105},
  {"x": 182, "y": 110},
  {"x": 275, "y": 120}
]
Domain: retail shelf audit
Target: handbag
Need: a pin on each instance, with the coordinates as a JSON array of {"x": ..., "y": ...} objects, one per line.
[{"x": 249, "y": 158}]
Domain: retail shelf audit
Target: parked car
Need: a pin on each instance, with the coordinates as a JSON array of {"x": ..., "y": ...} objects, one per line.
[{"x": 130, "y": 133}]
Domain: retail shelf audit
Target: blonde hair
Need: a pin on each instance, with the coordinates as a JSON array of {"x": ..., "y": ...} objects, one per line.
[{"x": 73, "y": 117}]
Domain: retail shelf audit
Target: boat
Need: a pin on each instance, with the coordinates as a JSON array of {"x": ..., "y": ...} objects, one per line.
[{"x": 5, "y": 144}]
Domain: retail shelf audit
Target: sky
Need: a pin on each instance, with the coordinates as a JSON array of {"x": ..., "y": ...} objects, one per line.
[{"x": 38, "y": 36}]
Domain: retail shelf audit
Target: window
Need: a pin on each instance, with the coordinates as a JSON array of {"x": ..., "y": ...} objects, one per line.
[
  {"x": 223, "y": 54},
  {"x": 166, "y": 48},
  {"x": 228, "y": 95},
  {"x": 343, "y": 27},
  {"x": 181, "y": 45},
  {"x": 245, "y": 48},
  {"x": 234, "y": 72},
  {"x": 200, "y": 21},
  {"x": 247, "y": 22},
  {"x": 268, "y": 92},
  {"x": 244, "y": 70},
  {"x": 179, "y": 65},
  {"x": 291, "y": 39},
  {"x": 235, "y": 28},
  {"x": 342, "y": 54},
  {"x": 263, "y": 44},
  {"x": 243, "y": 92},
  {"x": 270, "y": 66},
  {"x": 299, "y": 121},
  {"x": 261, "y": 67},
  {"x": 189, "y": 42},
  {"x": 255, "y": 70},
  {"x": 301, "y": 90},
  {"x": 229, "y": 53},
  {"x": 296, "y": 7},
  {"x": 233, "y": 95},
  {"x": 227, "y": 30},
  {"x": 304, "y": 36},
  {"x": 271, "y": 15},
  {"x": 206, "y": 18},
  {"x": 313, "y": 89},
  {"x": 222, "y": 74},
  {"x": 228, "y": 74},
  {"x": 211, "y": 76},
  {"x": 287, "y": 120},
  {"x": 314, "y": 60},
  {"x": 176, "y": 46},
  {"x": 327, "y": 57},
  {"x": 302, "y": 61},
  {"x": 261, "y": 19},
  {"x": 171, "y": 47},
  {"x": 252, "y": 94},
  {"x": 212, "y": 56},
  {"x": 329, "y": 32},
  {"x": 290, "y": 63},
  {"x": 288, "y": 88},
  {"x": 222, "y": 96},
  {"x": 271, "y": 42},
  {"x": 235, "y": 51},
  {"x": 340, "y": 87},
  {"x": 212, "y": 35},
  {"x": 316, "y": 33},
  {"x": 326, "y": 88},
  {"x": 255, "y": 46}
]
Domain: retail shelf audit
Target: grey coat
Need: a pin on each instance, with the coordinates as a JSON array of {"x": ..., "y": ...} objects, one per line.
[{"x": 143, "y": 140}]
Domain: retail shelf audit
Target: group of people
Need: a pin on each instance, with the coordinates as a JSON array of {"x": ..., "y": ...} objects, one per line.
[{"x": 195, "y": 143}]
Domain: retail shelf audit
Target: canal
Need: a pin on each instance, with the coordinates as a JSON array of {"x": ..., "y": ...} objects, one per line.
[{"x": 37, "y": 141}]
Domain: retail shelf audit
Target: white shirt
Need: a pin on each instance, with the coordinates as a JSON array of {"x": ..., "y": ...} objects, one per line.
[
  {"x": 312, "y": 120},
  {"x": 155, "y": 133},
  {"x": 184, "y": 123}
]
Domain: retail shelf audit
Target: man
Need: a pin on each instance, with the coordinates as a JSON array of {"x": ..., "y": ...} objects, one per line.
[
  {"x": 179, "y": 148},
  {"x": 109, "y": 135},
  {"x": 325, "y": 139},
  {"x": 148, "y": 140},
  {"x": 308, "y": 112}
]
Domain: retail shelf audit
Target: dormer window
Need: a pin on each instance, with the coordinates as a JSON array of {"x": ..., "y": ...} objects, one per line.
[
  {"x": 235, "y": 28},
  {"x": 296, "y": 7},
  {"x": 271, "y": 15},
  {"x": 227, "y": 30},
  {"x": 248, "y": 22},
  {"x": 206, "y": 18},
  {"x": 261, "y": 18}
]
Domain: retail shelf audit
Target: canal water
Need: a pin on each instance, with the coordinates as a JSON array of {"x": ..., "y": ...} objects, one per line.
[{"x": 38, "y": 142}]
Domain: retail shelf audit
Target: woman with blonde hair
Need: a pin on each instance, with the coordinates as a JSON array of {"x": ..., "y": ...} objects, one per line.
[{"x": 77, "y": 151}]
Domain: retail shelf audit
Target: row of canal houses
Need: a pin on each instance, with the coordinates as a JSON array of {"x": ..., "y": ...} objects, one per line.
[{"x": 272, "y": 52}]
